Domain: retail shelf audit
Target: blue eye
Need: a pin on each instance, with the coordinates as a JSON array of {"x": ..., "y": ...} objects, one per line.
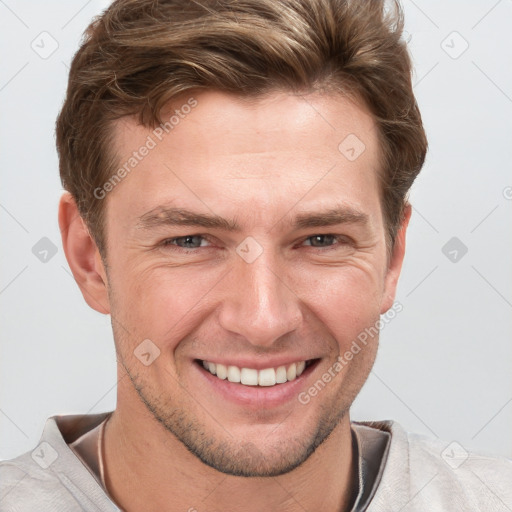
[
  {"x": 187, "y": 242},
  {"x": 321, "y": 240}
]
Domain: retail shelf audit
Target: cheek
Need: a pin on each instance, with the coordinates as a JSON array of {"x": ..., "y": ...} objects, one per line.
[
  {"x": 162, "y": 303},
  {"x": 346, "y": 300},
  {"x": 165, "y": 304}
]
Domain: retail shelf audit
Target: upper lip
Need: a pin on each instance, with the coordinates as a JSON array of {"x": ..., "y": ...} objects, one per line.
[{"x": 258, "y": 364}]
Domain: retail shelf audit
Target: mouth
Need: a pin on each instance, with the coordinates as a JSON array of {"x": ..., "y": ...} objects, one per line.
[
  {"x": 252, "y": 377},
  {"x": 255, "y": 389}
]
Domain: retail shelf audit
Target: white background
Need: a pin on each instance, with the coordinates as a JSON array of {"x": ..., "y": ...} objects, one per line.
[{"x": 444, "y": 365}]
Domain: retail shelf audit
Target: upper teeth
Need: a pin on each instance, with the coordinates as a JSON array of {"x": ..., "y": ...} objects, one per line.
[{"x": 252, "y": 377}]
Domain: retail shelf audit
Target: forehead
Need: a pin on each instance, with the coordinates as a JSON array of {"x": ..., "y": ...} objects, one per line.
[{"x": 233, "y": 153}]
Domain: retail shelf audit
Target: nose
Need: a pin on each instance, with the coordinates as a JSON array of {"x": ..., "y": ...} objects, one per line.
[{"x": 258, "y": 304}]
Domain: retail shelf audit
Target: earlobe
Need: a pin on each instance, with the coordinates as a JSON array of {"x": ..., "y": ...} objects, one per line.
[
  {"x": 83, "y": 256},
  {"x": 395, "y": 262}
]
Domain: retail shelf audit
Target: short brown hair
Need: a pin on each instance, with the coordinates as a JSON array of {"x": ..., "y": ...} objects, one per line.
[{"x": 139, "y": 54}]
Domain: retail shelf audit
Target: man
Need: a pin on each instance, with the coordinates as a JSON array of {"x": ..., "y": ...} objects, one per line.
[{"x": 237, "y": 177}]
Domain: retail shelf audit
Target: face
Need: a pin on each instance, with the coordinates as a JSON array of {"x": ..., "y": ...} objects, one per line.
[{"x": 246, "y": 241}]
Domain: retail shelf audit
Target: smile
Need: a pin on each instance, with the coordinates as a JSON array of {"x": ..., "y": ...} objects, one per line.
[{"x": 253, "y": 377}]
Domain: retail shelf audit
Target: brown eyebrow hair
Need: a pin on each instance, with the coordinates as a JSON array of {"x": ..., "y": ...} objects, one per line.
[
  {"x": 331, "y": 217},
  {"x": 169, "y": 216}
]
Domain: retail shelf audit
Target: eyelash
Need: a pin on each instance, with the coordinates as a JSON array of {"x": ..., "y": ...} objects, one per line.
[{"x": 338, "y": 239}]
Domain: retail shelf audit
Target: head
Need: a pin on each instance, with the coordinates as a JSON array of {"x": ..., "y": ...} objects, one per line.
[{"x": 238, "y": 176}]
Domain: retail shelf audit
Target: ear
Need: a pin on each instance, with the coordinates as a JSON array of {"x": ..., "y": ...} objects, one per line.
[
  {"x": 395, "y": 262},
  {"x": 83, "y": 255}
]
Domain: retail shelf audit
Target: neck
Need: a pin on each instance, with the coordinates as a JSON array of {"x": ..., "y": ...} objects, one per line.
[{"x": 147, "y": 468}]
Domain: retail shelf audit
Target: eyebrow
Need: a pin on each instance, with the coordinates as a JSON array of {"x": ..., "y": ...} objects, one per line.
[
  {"x": 165, "y": 216},
  {"x": 331, "y": 217},
  {"x": 162, "y": 216}
]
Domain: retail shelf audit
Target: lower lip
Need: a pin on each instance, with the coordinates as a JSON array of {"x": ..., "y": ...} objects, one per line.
[{"x": 257, "y": 396}]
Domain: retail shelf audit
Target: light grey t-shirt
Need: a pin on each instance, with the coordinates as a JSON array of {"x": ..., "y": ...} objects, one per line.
[
  {"x": 397, "y": 472},
  {"x": 370, "y": 452}
]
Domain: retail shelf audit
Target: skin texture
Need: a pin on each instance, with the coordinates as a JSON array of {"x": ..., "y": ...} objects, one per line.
[{"x": 174, "y": 443}]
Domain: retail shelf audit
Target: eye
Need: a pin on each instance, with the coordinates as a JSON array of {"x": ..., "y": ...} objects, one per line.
[
  {"x": 321, "y": 240},
  {"x": 187, "y": 242}
]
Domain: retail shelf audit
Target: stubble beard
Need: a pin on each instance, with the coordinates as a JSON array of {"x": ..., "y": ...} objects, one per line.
[{"x": 233, "y": 456}]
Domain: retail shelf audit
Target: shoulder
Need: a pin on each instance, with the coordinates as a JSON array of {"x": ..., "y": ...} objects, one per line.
[
  {"x": 24, "y": 485},
  {"x": 51, "y": 477},
  {"x": 430, "y": 474}
]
